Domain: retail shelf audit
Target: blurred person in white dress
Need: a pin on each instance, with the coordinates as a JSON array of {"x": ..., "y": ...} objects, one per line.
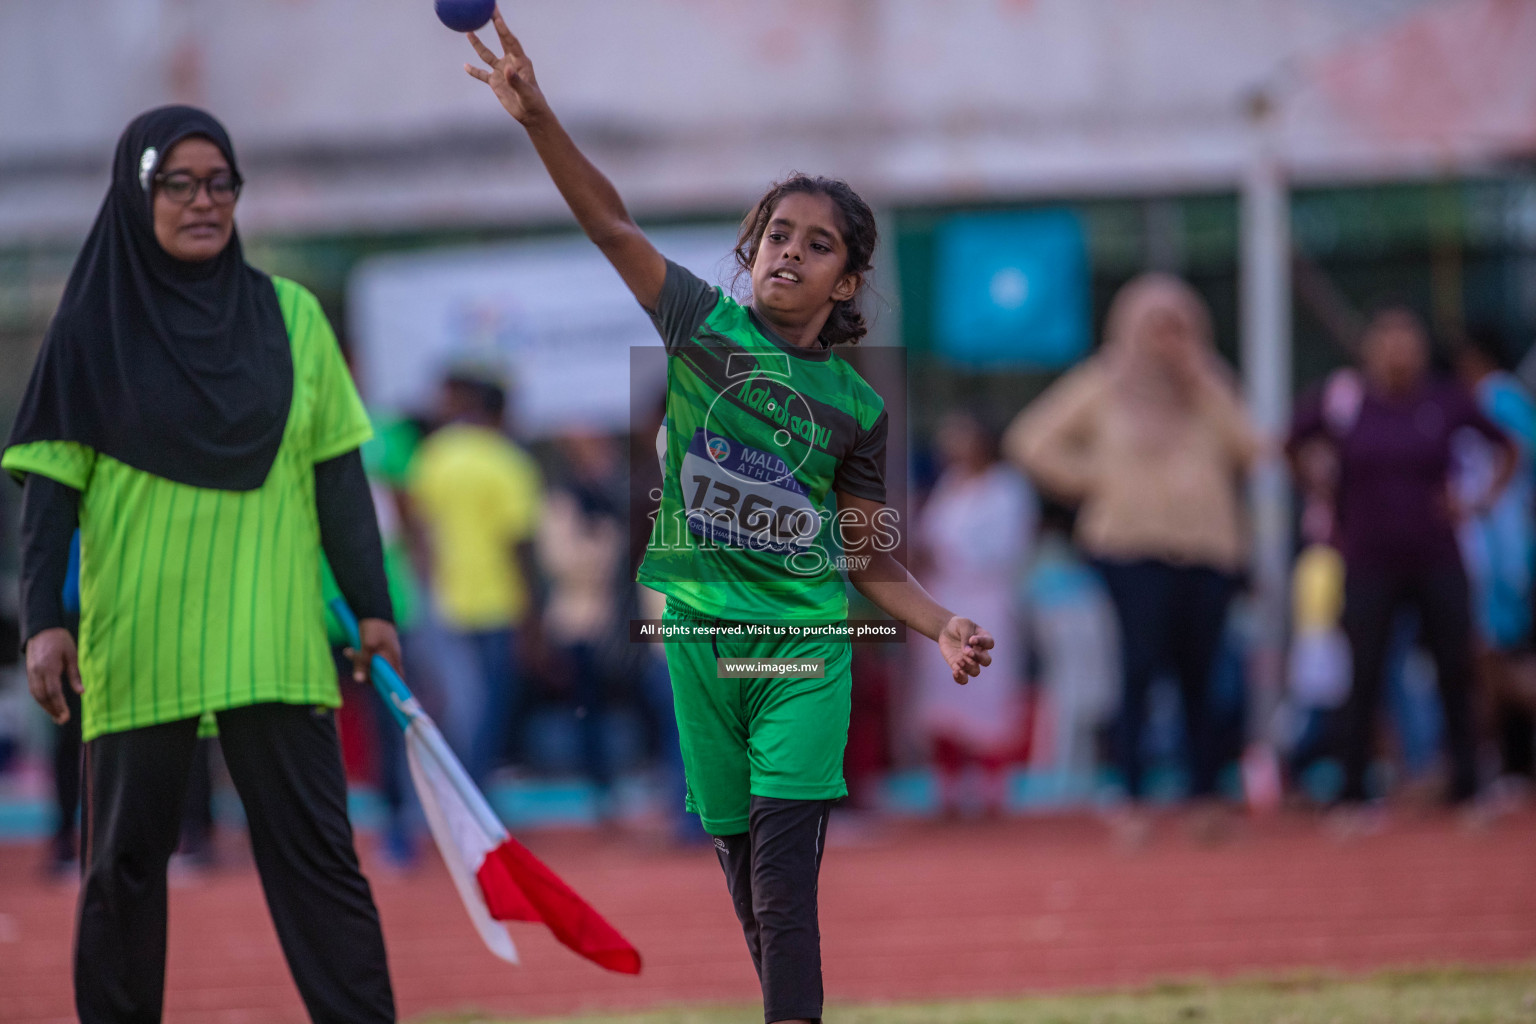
[{"x": 975, "y": 533}]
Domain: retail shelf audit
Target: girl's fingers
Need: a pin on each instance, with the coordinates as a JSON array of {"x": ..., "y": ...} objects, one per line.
[
  {"x": 480, "y": 73},
  {"x": 483, "y": 50},
  {"x": 509, "y": 41}
]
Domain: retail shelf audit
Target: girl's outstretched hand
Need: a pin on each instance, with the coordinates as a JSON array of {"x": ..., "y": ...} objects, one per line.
[
  {"x": 510, "y": 76},
  {"x": 964, "y": 646}
]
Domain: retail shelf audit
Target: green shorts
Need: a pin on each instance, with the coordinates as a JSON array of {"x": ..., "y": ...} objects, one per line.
[{"x": 764, "y": 736}]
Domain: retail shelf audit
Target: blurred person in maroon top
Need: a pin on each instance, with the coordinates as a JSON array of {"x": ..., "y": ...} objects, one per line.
[{"x": 1389, "y": 426}]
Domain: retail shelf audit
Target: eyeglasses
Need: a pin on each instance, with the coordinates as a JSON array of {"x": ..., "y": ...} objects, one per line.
[{"x": 223, "y": 188}]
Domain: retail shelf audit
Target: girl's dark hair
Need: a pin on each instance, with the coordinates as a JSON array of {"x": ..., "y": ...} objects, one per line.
[{"x": 856, "y": 223}]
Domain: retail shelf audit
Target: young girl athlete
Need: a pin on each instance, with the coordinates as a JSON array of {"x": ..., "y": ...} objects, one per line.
[{"x": 764, "y": 426}]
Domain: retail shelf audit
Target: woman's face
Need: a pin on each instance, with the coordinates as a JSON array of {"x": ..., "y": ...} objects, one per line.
[
  {"x": 1394, "y": 351},
  {"x": 1168, "y": 337},
  {"x": 198, "y": 228}
]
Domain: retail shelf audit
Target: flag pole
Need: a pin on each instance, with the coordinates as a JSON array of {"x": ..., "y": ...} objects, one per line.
[{"x": 409, "y": 715}]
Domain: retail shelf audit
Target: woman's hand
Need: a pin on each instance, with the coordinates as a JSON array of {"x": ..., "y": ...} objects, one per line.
[
  {"x": 510, "y": 76},
  {"x": 964, "y": 646},
  {"x": 376, "y": 637},
  {"x": 51, "y": 657}
]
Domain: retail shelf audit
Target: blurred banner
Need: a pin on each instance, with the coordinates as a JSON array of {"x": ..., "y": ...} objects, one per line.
[
  {"x": 552, "y": 315},
  {"x": 1011, "y": 289}
]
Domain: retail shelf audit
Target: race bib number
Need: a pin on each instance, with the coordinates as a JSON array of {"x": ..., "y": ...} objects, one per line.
[{"x": 742, "y": 497}]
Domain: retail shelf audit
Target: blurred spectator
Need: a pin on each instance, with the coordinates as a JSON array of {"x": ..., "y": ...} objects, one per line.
[
  {"x": 976, "y": 529},
  {"x": 1317, "y": 674},
  {"x": 1391, "y": 426},
  {"x": 1497, "y": 544},
  {"x": 1074, "y": 636},
  {"x": 475, "y": 503},
  {"x": 1150, "y": 437},
  {"x": 387, "y": 459},
  {"x": 582, "y": 551}
]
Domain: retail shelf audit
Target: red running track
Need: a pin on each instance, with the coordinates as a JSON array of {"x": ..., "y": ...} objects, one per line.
[{"x": 909, "y": 911}]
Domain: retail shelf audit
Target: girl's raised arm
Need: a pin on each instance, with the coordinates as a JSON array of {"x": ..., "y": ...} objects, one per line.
[{"x": 591, "y": 197}]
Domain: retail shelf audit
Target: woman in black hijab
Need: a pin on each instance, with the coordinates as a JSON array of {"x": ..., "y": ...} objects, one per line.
[{"x": 194, "y": 418}]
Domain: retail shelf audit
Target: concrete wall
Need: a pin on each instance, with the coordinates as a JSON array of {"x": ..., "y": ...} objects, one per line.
[{"x": 355, "y": 113}]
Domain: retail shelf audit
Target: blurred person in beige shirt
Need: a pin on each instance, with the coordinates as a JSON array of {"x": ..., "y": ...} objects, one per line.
[{"x": 1149, "y": 438}]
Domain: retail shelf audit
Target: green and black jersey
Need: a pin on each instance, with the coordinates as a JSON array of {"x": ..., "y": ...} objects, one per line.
[
  {"x": 196, "y": 600},
  {"x": 760, "y": 436}
]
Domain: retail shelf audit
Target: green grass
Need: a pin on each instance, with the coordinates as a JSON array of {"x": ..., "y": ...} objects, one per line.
[{"x": 1450, "y": 996}]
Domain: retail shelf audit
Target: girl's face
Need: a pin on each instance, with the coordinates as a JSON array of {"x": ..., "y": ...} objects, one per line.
[
  {"x": 194, "y": 227},
  {"x": 799, "y": 269}
]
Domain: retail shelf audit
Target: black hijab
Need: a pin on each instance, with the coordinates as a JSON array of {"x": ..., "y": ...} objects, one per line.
[{"x": 178, "y": 369}]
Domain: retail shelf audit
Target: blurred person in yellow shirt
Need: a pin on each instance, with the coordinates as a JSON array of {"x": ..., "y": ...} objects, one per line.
[
  {"x": 1318, "y": 666},
  {"x": 475, "y": 500}
]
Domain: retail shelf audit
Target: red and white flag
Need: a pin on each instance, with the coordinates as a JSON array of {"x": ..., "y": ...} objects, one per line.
[{"x": 497, "y": 878}]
